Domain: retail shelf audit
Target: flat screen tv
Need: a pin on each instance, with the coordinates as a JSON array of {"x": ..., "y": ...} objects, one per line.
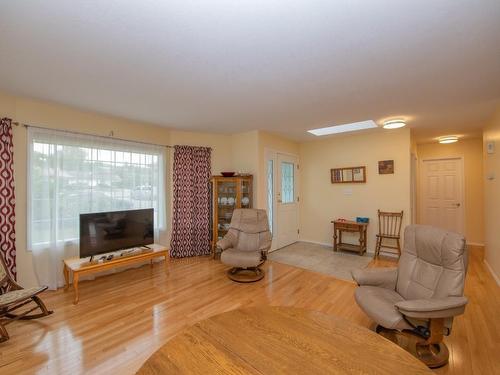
[{"x": 104, "y": 232}]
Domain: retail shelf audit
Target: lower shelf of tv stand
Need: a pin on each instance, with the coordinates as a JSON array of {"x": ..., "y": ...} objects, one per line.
[{"x": 78, "y": 267}]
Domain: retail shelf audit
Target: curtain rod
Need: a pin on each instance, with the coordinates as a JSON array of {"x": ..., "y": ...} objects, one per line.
[{"x": 93, "y": 135}]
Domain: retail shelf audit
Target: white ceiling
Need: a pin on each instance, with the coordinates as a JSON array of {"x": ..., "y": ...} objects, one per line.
[{"x": 281, "y": 65}]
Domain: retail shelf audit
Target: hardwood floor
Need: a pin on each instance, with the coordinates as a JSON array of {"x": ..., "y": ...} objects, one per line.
[{"x": 123, "y": 318}]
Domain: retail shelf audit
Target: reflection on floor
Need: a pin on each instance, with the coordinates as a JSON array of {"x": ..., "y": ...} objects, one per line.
[
  {"x": 322, "y": 259},
  {"x": 122, "y": 319}
]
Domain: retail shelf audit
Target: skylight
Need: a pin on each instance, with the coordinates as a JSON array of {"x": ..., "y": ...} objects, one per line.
[{"x": 355, "y": 126}]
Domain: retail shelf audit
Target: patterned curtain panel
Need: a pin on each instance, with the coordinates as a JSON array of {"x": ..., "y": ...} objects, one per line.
[
  {"x": 7, "y": 198},
  {"x": 191, "y": 211}
]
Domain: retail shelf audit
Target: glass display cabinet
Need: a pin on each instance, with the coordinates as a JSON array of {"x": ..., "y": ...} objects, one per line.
[{"x": 228, "y": 193}]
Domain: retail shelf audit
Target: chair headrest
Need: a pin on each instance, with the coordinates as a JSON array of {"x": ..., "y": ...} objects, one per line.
[
  {"x": 250, "y": 220},
  {"x": 434, "y": 245}
]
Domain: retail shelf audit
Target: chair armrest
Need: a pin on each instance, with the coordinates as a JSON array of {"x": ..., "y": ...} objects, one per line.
[
  {"x": 228, "y": 241},
  {"x": 381, "y": 277},
  {"x": 265, "y": 242},
  {"x": 433, "y": 308},
  {"x": 225, "y": 243}
]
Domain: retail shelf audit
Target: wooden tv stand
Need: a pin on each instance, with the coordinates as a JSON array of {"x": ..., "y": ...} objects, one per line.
[{"x": 82, "y": 266}]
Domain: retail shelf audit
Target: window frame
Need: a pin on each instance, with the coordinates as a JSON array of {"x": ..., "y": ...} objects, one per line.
[{"x": 114, "y": 146}]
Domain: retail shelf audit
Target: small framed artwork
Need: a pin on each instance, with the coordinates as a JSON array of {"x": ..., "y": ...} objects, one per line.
[
  {"x": 348, "y": 175},
  {"x": 358, "y": 175},
  {"x": 386, "y": 167}
]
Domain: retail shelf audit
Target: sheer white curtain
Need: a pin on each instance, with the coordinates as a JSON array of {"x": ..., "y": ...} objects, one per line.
[{"x": 69, "y": 174}]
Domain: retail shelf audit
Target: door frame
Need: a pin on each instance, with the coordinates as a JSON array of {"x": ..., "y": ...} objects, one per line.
[
  {"x": 414, "y": 167},
  {"x": 272, "y": 154},
  {"x": 421, "y": 186}
]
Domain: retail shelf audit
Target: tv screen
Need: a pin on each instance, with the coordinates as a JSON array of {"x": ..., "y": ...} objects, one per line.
[{"x": 104, "y": 232}]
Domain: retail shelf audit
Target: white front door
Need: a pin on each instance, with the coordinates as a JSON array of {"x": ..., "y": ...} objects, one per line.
[
  {"x": 287, "y": 208},
  {"x": 442, "y": 188}
]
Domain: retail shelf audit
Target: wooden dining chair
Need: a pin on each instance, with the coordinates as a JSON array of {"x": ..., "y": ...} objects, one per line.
[
  {"x": 13, "y": 297},
  {"x": 389, "y": 229}
]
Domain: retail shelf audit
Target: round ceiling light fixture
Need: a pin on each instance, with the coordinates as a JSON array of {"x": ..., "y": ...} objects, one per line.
[
  {"x": 448, "y": 139},
  {"x": 394, "y": 124}
]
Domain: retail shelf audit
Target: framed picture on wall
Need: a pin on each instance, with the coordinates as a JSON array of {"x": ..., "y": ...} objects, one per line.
[
  {"x": 358, "y": 175},
  {"x": 348, "y": 175},
  {"x": 386, "y": 167}
]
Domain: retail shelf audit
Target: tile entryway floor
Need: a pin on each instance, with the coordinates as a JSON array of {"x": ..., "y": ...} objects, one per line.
[{"x": 320, "y": 258}]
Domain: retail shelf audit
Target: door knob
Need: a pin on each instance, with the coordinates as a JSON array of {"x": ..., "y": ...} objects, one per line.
[{"x": 457, "y": 204}]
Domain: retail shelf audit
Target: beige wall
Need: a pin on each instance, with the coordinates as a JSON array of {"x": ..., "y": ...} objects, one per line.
[
  {"x": 55, "y": 116},
  {"x": 492, "y": 196},
  {"x": 272, "y": 143},
  {"x": 241, "y": 152},
  {"x": 248, "y": 153},
  {"x": 322, "y": 201},
  {"x": 471, "y": 150},
  {"x": 245, "y": 152},
  {"x": 245, "y": 157},
  {"x": 220, "y": 143}
]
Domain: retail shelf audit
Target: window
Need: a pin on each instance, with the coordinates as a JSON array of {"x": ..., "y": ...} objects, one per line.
[
  {"x": 270, "y": 192},
  {"x": 69, "y": 174},
  {"x": 287, "y": 182}
]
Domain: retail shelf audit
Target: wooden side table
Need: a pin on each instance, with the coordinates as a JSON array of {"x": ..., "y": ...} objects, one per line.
[
  {"x": 81, "y": 266},
  {"x": 340, "y": 226}
]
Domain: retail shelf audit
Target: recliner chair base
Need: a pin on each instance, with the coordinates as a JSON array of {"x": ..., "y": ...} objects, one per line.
[
  {"x": 433, "y": 355},
  {"x": 245, "y": 275}
]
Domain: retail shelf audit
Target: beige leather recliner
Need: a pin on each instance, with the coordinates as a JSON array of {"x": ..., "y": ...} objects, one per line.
[
  {"x": 414, "y": 304},
  {"x": 245, "y": 245}
]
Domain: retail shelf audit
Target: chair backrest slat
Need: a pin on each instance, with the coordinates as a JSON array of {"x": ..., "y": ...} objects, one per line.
[{"x": 390, "y": 223}]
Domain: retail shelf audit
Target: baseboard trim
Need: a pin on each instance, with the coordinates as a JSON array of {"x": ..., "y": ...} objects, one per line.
[{"x": 497, "y": 279}]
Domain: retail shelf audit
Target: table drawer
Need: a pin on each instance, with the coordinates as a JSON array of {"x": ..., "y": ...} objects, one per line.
[{"x": 347, "y": 227}]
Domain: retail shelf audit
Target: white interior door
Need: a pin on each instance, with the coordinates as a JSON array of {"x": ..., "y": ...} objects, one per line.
[
  {"x": 442, "y": 188},
  {"x": 287, "y": 208}
]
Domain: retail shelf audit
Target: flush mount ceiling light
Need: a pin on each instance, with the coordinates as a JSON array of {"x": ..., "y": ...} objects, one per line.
[
  {"x": 448, "y": 139},
  {"x": 394, "y": 124},
  {"x": 361, "y": 125}
]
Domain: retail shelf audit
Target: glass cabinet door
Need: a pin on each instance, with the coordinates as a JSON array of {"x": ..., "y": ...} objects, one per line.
[
  {"x": 228, "y": 193},
  {"x": 226, "y": 203},
  {"x": 246, "y": 193}
]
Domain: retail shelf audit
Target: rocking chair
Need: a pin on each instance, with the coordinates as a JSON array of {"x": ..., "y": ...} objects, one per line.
[{"x": 12, "y": 297}]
